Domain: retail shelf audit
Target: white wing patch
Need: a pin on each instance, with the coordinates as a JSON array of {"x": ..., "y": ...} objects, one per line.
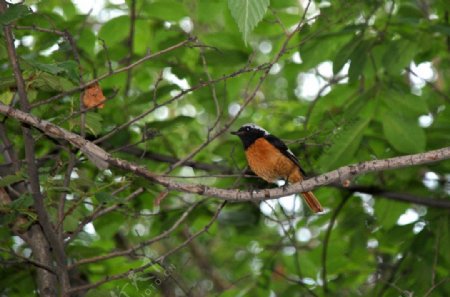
[{"x": 290, "y": 152}]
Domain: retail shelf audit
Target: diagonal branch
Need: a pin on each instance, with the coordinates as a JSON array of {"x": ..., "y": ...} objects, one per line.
[{"x": 98, "y": 155}]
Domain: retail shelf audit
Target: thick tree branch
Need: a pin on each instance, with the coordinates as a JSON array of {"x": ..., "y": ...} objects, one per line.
[
  {"x": 33, "y": 175},
  {"x": 100, "y": 156}
]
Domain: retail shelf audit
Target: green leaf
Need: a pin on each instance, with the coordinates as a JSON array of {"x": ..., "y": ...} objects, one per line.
[
  {"x": 166, "y": 10},
  {"x": 143, "y": 37},
  {"x": 388, "y": 212},
  {"x": 344, "y": 54},
  {"x": 6, "y": 97},
  {"x": 441, "y": 28},
  {"x": 346, "y": 141},
  {"x": 320, "y": 49},
  {"x": 104, "y": 197},
  {"x": 49, "y": 82},
  {"x": 7, "y": 82},
  {"x": 247, "y": 14},
  {"x": 49, "y": 68},
  {"x": 22, "y": 202},
  {"x": 405, "y": 135},
  {"x": 86, "y": 41},
  {"x": 94, "y": 122},
  {"x": 398, "y": 55},
  {"x": 358, "y": 60},
  {"x": 10, "y": 179},
  {"x": 403, "y": 102},
  {"x": 69, "y": 68},
  {"x": 115, "y": 30},
  {"x": 14, "y": 12}
]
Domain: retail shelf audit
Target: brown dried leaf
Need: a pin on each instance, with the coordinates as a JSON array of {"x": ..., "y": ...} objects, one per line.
[{"x": 93, "y": 96}]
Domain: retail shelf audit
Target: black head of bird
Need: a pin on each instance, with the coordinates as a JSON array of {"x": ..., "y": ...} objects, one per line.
[{"x": 248, "y": 133}]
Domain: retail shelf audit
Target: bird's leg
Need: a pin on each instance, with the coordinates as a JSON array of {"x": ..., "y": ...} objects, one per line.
[{"x": 285, "y": 186}]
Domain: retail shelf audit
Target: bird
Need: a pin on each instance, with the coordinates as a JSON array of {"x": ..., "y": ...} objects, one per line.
[{"x": 270, "y": 159}]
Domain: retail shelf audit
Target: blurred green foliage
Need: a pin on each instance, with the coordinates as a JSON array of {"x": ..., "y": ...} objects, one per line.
[{"x": 345, "y": 90}]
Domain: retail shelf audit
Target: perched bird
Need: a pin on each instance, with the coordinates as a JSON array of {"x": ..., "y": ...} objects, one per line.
[{"x": 270, "y": 159}]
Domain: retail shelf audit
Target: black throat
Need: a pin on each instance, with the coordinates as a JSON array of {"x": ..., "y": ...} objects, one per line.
[{"x": 249, "y": 139}]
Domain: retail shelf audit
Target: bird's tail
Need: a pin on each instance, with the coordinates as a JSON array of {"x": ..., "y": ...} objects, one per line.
[{"x": 312, "y": 201}]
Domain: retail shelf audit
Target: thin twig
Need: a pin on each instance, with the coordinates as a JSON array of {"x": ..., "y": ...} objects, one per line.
[
  {"x": 62, "y": 197},
  {"x": 212, "y": 87},
  {"x": 142, "y": 244},
  {"x": 28, "y": 260},
  {"x": 100, "y": 211},
  {"x": 108, "y": 59},
  {"x": 106, "y": 75},
  {"x": 76, "y": 56},
  {"x": 174, "y": 98},
  {"x": 130, "y": 45},
  {"x": 40, "y": 29}
]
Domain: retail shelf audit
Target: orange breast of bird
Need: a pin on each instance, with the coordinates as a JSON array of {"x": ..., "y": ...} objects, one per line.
[{"x": 270, "y": 164}]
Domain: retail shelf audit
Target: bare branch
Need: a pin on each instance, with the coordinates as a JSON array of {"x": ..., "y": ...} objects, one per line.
[{"x": 343, "y": 173}]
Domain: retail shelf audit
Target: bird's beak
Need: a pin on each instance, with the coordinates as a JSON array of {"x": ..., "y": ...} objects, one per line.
[{"x": 234, "y": 132}]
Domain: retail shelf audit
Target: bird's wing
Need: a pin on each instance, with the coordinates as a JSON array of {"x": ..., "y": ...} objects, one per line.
[{"x": 279, "y": 144}]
